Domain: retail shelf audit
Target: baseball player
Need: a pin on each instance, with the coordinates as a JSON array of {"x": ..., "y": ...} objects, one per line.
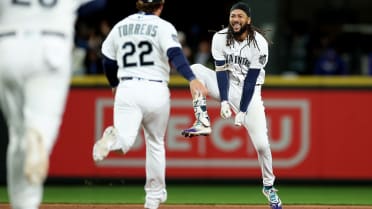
[
  {"x": 36, "y": 40},
  {"x": 137, "y": 52},
  {"x": 241, "y": 53}
]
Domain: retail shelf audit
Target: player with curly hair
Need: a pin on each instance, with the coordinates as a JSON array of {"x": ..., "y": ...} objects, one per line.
[{"x": 240, "y": 52}]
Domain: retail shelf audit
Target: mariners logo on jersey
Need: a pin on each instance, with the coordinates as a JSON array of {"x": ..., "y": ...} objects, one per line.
[{"x": 233, "y": 59}]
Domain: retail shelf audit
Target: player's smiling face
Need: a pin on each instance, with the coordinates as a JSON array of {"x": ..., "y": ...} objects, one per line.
[{"x": 239, "y": 21}]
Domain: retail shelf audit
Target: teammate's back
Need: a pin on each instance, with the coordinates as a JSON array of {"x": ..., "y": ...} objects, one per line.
[
  {"x": 145, "y": 40},
  {"x": 136, "y": 56}
]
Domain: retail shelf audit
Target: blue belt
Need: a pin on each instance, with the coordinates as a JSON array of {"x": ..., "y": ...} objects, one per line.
[{"x": 140, "y": 79}]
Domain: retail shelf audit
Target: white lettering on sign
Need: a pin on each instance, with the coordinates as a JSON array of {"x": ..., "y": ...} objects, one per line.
[{"x": 292, "y": 122}]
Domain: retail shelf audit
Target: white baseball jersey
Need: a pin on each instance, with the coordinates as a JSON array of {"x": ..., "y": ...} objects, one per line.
[
  {"x": 240, "y": 56},
  {"x": 139, "y": 43}
]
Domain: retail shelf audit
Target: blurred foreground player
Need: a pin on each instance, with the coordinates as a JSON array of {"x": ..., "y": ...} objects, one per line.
[
  {"x": 240, "y": 52},
  {"x": 36, "y": 39}
]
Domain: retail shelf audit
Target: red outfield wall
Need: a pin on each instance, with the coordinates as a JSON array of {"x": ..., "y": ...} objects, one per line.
[{"x": 314, "y": 134}]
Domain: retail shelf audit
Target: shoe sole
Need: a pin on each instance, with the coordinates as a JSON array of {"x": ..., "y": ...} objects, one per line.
[
  {"x": 275, "y": 206},
  {"x": 192, "y": 134},
  {"x": 196, "y": 133},
  {"x": 155, "y": 205},
  {"x": 272, "y": 205},
  {"x": 99, "y": 151},
  {"x": 100, "y": 148}
]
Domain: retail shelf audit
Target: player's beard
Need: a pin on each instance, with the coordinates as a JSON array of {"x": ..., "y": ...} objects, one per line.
[{"x": 237, "y": 34}]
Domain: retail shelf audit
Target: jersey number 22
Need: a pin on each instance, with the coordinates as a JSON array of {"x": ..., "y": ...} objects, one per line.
[{"x": 145, "y": 49}]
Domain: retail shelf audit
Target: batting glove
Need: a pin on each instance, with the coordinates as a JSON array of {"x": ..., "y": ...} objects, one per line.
[
  {"x": 239, "y": 118},
  {"x": 225, "y": 110}
]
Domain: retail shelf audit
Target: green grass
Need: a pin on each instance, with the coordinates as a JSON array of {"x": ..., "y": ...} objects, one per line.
[{"x": 208, "y": 194}]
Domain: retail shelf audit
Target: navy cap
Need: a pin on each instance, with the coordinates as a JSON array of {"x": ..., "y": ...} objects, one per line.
[{"x": 242, "y": 6}]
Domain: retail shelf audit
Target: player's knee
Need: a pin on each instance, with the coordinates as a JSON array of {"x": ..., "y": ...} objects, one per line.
[{"x": 202, "y": 73}]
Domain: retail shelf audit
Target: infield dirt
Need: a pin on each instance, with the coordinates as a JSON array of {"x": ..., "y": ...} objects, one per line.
[{"x": 130, "y": 206}]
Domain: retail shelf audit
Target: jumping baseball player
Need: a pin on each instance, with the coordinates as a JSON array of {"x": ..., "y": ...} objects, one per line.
[
  {"x": 241, "y": 53},
  {"x": 137, "y": 52},
  {"x": 36, "y": 38}
]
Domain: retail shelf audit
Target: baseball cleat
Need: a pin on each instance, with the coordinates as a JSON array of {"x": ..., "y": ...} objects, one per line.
[
  {"x": 272, "y": 196},
  {"x": 155, "y": 203},
  {"x": 198, "y": 129},
  {"x": 36, "y": 159},
  {"x": 102, "y": 147}
]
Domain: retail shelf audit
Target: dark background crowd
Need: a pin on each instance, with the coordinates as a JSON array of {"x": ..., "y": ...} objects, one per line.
[{"x": 311, "y": 37}]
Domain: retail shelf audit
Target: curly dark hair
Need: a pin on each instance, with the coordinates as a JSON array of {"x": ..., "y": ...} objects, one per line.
[
  {"x": 148, "y": 7},
  {"x": 251, "y": 35}
]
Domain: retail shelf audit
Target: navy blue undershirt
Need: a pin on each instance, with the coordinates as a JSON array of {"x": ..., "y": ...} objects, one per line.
[{"x": 110, "y": 68}]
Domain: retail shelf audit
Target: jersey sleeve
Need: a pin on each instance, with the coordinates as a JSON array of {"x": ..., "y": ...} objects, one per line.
[
  {"x": 260, "y": 53},
  {"x": 108, "y": 46},
  {"x": 218, "y": 43},
  {"x": 168, "y": 37}
]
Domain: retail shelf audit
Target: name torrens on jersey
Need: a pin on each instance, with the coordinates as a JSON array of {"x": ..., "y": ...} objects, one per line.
[{"x": 138, "y": 29}]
